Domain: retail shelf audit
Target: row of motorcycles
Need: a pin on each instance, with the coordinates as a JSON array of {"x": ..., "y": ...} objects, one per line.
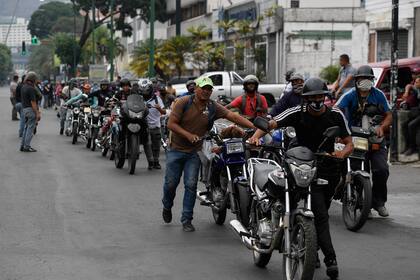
[
  {"x": 121, "y": 122},
  {"x": 268, "y": 189}
]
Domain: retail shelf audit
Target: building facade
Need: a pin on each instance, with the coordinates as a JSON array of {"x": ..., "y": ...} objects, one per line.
[{"x": 379, "y": 17}]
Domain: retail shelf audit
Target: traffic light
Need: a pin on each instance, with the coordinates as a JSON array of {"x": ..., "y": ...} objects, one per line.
[
  {"x": 23, "y": 52},
  {"x": 34, "y": 41}
]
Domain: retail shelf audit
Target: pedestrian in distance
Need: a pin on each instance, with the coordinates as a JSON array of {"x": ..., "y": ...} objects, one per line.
[
  {"x": 30, "y": 111},
  {"x": 411, "y": 99},
  {"x": 345, "y": 79},
  {"x": 190, "y": 85},
  {"x": 19, "y": 106},
  {"x": 190, "y": 120},
  {"x": 13, "y": 86}
]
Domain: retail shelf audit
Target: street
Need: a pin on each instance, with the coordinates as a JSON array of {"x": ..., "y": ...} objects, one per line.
[{"x": 67, "y": 213}]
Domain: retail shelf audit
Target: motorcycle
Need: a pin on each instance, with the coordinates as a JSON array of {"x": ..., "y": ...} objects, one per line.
[
  {"x": 227, "y": 180},
  {"x": 77, "y": 120},
  {"x": 130, "y": 117},
  {"x": 280, "y": 213},
  {"x": 355, "y": 191},
  {"x": 94, "y": 122}
]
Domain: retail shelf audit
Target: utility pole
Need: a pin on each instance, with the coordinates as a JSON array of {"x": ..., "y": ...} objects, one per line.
[
  {"x": 178, "y": 16},
  {"x": 152, "y": 39},
  {"x": 74, "y": 40},
  {"x": 93, "y": 32},
  {"x": 394, "y": 82},
  {"x": 111, "y": 45}
]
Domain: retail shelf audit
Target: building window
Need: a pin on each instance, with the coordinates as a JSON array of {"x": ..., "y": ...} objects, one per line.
[{"x": 294, "y": 4}]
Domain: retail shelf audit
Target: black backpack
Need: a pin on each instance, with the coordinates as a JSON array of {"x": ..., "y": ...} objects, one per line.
[{"x": 211, "y": 107}]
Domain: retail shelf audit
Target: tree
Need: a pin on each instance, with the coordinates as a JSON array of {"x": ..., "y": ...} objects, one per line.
[
  {"x": 6, "y": 65},
  {"x": 330, "y": 73},
  {"x": 46, "y": 16},
  {"x": 140, "y": 59},
  {"x": 66, "y": 25},
  {"x": 200, "y": 46},
  {"x": 178, "y": 51},
  {"x": 41, "y": 61},
  {"x": 65, "y": 47}
]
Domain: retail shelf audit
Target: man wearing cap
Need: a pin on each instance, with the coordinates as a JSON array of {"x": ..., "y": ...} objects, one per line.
[
  {"x": 190, "y": 88},
  {"x": 291, "y": 98},
  {"x": 190, "y": 120},
  {"x": 30, "y": 111}
]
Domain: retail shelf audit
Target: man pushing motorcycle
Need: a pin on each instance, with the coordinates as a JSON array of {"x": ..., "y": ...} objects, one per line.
[{"x": 310, "y": 120}]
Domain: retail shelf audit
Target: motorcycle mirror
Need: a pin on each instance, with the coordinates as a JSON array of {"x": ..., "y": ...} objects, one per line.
[
  {"x": 262, "y": 124},
  {"x": 332, "y": 132}
]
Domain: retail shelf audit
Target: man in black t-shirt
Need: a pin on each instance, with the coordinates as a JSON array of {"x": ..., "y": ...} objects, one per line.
[
  {"x": 19, "y": 106},
  {"x": 30, "y": 111},
  {"x": 310, "y": 120}
]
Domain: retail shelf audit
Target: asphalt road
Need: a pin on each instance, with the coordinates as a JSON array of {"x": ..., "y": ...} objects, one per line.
[{"x": 66, "y": 213}]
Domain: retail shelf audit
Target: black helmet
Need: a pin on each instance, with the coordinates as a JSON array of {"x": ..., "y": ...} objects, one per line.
[
  {"x": 73, "y": 82},
  {"x": 289, "y": 74},
  {"x": 314, "y": 86},
  {"x": 364, "y": 71},
  {"x": 104, "y": 82},
  {"x": 125, "y": 82}
]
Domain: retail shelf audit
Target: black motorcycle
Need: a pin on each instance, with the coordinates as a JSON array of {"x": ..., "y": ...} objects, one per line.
[
  {"x": 128, "y": 124},
  {"x": 94, "y": 123}
]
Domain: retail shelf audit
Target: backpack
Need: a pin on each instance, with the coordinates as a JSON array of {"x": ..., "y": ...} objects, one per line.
[
  {"x": 258, "y": 107},
  {"x": 211, "y": 107}
]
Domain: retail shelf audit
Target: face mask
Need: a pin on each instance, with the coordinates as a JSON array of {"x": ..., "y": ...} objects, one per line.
[
  {"x": 297, "y": 89},
  {"x": 365, "y": 84},
  {"x": 316, "y": 105}
]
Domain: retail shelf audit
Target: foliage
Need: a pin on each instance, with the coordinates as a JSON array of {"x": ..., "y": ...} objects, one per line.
[
  {"x": 66, "y": 25},
  {"x": 178, "y": 51},
  {"x": 140, "y": 59},
  {"x": 65, "y": 46},
  {"x": 226, "y": 26},
  {"x": 5, "y": 62},
  {"x": 41, "y": 61},
  {"x": 46, "y": 16},
  {"x": 330, "y": 73}
]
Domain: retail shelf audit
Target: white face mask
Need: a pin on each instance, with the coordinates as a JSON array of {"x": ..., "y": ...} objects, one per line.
[{"x": 365, "y": 84}]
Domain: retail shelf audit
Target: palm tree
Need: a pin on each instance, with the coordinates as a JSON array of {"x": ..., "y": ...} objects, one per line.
[
  {"x": 199, "y": 33},
  {"x": 226, "y": 25},
  {"x": 178, "y": 50},
  {"x": 140, "y": 59}
]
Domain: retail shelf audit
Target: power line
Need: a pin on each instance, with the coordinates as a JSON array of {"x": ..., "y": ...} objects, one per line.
[{"x": 11, "y": 22}]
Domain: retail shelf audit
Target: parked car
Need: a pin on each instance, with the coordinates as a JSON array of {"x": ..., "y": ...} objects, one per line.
[
  {"x": 406, "y": 68},
  {"x": 230, "y": 84}
]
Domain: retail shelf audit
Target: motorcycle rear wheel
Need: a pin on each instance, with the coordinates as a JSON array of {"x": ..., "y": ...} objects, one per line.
[
  {"x": 303, "y": 242},
  {"x": 361, "y": 201}
]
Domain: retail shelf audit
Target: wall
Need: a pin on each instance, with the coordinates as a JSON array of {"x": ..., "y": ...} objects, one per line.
[{"x": 322, "y": 4}]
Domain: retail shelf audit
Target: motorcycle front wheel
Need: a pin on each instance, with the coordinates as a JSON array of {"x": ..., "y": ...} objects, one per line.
[
  {"x": 300, "y": 264},
  {"x": 75, "y": 132},
  {"x": 355, "y": 210},
  {"x": 94, "y": 135},
  {"x": 104, "y": 151},
  {"x": 134, "y": 151},
  {"x": 88, "y": 143},
  {"x": 218, "y": 193}
]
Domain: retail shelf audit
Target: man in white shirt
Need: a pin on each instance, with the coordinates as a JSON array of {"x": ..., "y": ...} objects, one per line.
[
  {"x": 67, "y": 93},
  {"x": 155, "y": 105}
]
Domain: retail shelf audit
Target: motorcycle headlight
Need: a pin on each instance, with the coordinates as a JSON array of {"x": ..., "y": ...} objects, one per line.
[
  {"x": 76, "y": 110},
  {"x": 133, "y": 115},
  {"x": 87, "y": 110},
  {"x": 361, "y": 143},
  {"x": 234, "y": 148},
  {"x": 303, "y": 174},
  {"x": 96, "y": 113},
  {"x": 133, "y": 127}
]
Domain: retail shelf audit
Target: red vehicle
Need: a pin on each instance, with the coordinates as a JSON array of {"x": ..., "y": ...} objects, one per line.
[{"x": 407, "y": 67}]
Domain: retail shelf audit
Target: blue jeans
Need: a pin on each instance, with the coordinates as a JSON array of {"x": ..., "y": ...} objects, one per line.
[
  {"x": 28, "y": 131},
  {"x": 176, "y": 163},
  {"x": 19, "y": 109}
]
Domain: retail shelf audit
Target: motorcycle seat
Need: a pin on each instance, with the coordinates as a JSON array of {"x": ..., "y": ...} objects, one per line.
[{"x": 261, "y": 172}]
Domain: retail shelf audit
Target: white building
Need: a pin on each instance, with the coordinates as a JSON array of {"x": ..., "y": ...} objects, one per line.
[
  {"x": 17, "y": 33},
  {"x": 379, "y": 17},
  {"x": 305, "y": 35}
]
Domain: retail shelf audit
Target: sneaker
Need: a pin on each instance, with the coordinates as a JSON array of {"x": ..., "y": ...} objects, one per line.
[
  {"x": 61, "y": 131},
  {"x": 150, "y": 167},
  {"x": 382, "y": 211},
  {"x": 370, "y": 215},
  {"x": 188, "y": 227},
  {"x": 21, "y": 148},
  {"x": 167, "y": 215},
  {"x": 332, "y": 268},
  {"x": 157, "y": 165},
  {"x": 29, "y": 150}
]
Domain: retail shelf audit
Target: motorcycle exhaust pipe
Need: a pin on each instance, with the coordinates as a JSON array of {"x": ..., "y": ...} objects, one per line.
[
  {"x": 242, "y": 232},
  {"x": 203, "y": 198}
]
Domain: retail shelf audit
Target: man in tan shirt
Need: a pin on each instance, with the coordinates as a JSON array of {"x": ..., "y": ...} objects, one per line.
[{"x": 190, "y": 120}]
